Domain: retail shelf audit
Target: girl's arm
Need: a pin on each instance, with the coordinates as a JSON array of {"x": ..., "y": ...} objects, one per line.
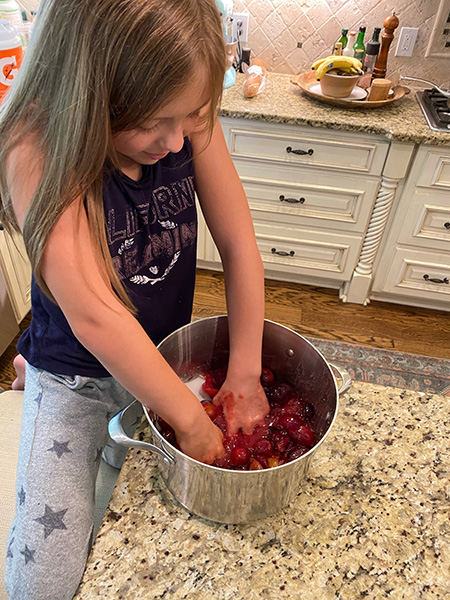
[
  {"x": 109, "y": 331},
  {"x": 227, "y": 214}
]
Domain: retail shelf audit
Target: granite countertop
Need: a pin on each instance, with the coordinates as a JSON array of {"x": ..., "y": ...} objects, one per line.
[
  {"x": 284, "y": 102},
  {"x": 372, "y": 520}
]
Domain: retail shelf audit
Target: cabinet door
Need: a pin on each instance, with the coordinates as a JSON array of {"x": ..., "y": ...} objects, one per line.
[
  {"x": 207, "y": 253},
  {"x": 8, "y": 325},
  {"x": 16, "y": 272}
]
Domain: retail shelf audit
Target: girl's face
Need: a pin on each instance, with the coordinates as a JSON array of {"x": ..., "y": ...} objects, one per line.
[{"x": 164, "y": 132}]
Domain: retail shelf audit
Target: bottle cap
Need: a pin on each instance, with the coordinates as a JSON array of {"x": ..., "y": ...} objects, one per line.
[
  {"x": 363, "y": 29},
  {"x": 372, "y": 47}
]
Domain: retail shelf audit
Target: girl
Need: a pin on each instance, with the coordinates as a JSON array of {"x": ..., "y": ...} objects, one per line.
[{"x": 109, "y": 130}]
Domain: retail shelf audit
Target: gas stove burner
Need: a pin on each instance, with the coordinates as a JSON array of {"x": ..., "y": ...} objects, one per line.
[{"x": 436, "y": 109}]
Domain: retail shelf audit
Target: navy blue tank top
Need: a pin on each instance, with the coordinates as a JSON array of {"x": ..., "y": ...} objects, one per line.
[{"x": 151, "y": 227}]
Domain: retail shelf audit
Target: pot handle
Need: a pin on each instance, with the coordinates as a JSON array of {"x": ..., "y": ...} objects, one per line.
[
  {"x": 345, "y": 376},
  {"x": 118, "y": 435}
]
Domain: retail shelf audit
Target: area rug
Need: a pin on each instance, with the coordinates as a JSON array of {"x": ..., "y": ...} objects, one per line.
[
  {"x": 364, "y": 363},
  {"x": 388, "y": 367}
]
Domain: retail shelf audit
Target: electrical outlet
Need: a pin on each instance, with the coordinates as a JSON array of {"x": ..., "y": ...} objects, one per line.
[
  {"x": 239, "y": 27},
  {"x": 406, "y": 41}
]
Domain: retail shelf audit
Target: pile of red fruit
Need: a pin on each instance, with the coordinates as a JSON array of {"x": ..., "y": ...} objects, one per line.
[{"x": 285, "y": 435}]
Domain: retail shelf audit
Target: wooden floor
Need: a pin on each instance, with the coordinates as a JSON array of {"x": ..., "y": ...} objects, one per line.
[{"x": 318, "y": 312}]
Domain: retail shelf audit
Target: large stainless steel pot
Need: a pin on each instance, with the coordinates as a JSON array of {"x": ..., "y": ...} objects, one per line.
[{"x": 230, "y": 496}]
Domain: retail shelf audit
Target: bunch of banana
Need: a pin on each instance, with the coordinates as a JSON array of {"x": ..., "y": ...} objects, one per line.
[{"x": 350, "y": 65}]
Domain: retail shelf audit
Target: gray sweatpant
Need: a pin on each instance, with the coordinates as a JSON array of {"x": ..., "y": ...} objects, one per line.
[{"x": 63, "y": 435}]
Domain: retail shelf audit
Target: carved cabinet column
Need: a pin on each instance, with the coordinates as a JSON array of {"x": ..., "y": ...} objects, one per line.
[{"x": 396, "y": 166}]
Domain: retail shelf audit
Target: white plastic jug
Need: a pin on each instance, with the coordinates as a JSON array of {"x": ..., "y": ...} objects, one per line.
[
  {"x": 10, "y": 10},
  {"x": 11, "y": 55}
]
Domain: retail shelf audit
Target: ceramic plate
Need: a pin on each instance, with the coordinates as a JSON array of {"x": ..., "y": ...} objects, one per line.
[{"x": 357, "y": 93}]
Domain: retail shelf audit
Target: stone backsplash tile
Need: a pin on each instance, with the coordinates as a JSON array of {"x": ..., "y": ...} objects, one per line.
[{"x": 276, "y": 27}]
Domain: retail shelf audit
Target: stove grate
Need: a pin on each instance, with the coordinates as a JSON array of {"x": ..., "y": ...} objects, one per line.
[{"x": 436, "y": 109}]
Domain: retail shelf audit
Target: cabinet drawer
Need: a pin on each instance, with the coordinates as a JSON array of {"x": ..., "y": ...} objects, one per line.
[
  {"x": 304, "y": 252},
  {"x": 300, "y": 146},
  {"x": 419, "y": 274},
  {"x": 301, "y": 197},
  {"x": 435, "y": 172},
  {"x": 428, "y": 220}
]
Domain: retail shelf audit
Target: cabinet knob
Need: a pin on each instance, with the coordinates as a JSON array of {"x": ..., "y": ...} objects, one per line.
[
  {"x": 435, "y": 279},
  {"x": 282, "y": 253},
  {"x": 447, "y": 225},
  {"x": 292, "y": 200},
  {"x": 1, "y": 227},
  {"x": 289, "y": 150}
]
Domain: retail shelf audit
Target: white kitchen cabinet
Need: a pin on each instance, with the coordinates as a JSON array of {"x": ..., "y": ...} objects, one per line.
[
  {"x": 414, "y": 263},
  {"x": 16, "y": 271},
  {"x": 8, "y": 324},
  {"x": 311, "y": 194}
]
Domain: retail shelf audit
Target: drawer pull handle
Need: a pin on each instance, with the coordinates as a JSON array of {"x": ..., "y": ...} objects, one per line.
[
  {"x": 289, "y": 150},
  {"x": 447, "y": 225},
  {"x": 292, "y": 200},
  {"x": 435, "y": 279},
  {"x": 282, "y": 253}
]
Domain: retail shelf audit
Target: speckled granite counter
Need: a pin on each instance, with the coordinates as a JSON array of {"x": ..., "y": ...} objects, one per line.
[
  {"x": 283, "y": 102},
  {"x": 372, "y": 520}
]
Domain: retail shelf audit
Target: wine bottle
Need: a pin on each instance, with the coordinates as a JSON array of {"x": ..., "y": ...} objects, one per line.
[
  {"x": 343, "y": 39},
  {"x": 359, "y": 48},
  {"x": 372, "y": 50}
]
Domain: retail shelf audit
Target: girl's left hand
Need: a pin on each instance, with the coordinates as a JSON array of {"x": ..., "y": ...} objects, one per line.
[{"x": 245, "y": 404}]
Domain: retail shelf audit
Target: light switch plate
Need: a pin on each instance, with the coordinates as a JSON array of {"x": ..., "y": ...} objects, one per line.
[{"x": 406, "y": 41}]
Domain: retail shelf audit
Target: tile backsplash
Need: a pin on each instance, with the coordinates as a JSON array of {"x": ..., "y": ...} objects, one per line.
[{"x": 278, "y": 27}]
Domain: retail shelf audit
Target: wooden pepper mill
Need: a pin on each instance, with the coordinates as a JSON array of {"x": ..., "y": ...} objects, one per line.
[{"x": 390, "y": 24}]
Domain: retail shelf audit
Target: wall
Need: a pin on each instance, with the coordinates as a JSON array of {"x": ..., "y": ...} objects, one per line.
[{"x": 276, "y": 27}]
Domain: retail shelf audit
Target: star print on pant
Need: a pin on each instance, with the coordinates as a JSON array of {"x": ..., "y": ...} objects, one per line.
[
  {"x": 28, "y": 554},
  {"x": 59, "y": 448},
  {"x": 51, "y": 520}
]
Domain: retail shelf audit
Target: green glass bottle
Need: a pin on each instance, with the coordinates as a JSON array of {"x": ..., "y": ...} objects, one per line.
[
  {"x": 343, "y": 39},
  {"x": 359, "y": 49}
]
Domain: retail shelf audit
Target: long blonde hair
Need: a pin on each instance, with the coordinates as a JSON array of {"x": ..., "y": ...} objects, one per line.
[{"x": 94, "y": 68}]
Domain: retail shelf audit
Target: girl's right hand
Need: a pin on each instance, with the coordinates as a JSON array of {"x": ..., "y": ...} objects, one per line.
[{"x": 204, "y": 442}]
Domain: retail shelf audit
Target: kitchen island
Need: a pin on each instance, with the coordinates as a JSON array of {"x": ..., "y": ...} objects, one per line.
[{"x": 371, "y": 521}]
